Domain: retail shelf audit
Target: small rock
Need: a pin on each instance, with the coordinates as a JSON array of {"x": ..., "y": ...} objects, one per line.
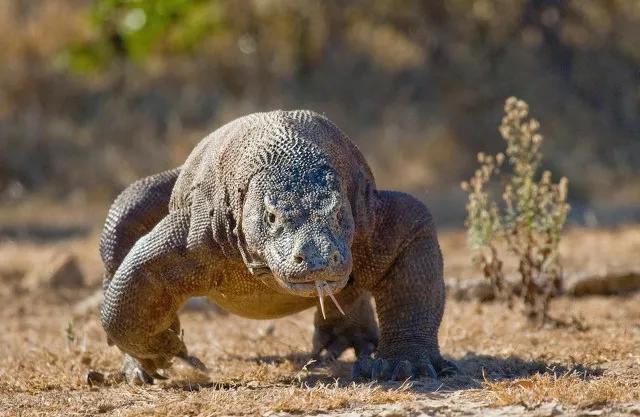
[
  {"x": 470, "y": 289},
  {"x": 393, "y": 412},
  {"x": 604, "y": 283},
  {"x": 550, "y": 410},
  {"x": 590, "y": 413},
  {"x": 93, "y": 378},
  {"x": 60, "y": 271},
  {"x": 607, "y": 282}
]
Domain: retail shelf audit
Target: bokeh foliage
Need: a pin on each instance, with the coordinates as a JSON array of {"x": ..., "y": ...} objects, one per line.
[
  {"x": 122, "y": 88},
  {"x": 139, "y": 28}
]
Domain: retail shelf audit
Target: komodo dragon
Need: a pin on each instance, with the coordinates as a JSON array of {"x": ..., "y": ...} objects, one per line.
[{"x": 269, "y": 212}]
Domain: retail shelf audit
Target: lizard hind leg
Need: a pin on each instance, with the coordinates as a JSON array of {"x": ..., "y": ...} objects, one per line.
[{"x": 355, "y": 327}]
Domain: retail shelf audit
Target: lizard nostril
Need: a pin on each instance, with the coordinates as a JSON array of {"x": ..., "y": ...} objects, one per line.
[{"x": 298, "y": 259}]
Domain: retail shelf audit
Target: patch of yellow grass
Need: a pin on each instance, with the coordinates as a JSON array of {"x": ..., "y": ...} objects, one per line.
[
  {"x": 570, "y": 388},
  {"x": 331, "y": 397}
]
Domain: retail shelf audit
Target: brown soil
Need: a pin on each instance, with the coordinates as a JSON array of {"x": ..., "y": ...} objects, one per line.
[{"x": 52, "y": 338}]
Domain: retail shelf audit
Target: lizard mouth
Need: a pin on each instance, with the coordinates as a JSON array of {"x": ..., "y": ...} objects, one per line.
[
  {"x": 309, "y": 288},
  {"x": 318, "y": 288},
  {"x": 313, "y": 287}
]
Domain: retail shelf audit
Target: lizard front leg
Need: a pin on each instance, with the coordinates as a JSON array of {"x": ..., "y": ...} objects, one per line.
[
  {"x": 357, "y": 328},
  {"x": 409, "y": 296},
  {"x": 139, "y": 312}
]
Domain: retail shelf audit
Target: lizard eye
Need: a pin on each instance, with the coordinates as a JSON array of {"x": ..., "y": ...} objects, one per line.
[
  {"x": 270, "y": 211},
  {"x": 338, "y": 216},
  {"x": 273, "y": 223}
]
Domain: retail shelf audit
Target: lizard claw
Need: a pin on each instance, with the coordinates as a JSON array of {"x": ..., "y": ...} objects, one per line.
[
  {"x": 399, "y": 369},
  {"x": 158, "y": 376},
  {"x": 145, "y": 372},
  {"x": 379, "y": 369},
  {"x": 448, "y": 368},
  {"x": 425, "y": 368},
  {"x": 139, "y": 376},
  {"x": 135, "y": 374},
  {"x": 193, "y": 362},
  {"x": 402, "y": 371}
]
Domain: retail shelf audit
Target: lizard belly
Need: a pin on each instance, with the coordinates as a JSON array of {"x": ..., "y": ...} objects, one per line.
[
  {"x": 263, "y": 306},
  {"x": 241, "y": 293}
]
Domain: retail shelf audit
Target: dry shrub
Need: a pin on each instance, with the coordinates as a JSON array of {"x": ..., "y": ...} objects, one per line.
[{"x": 528, "y": 221}]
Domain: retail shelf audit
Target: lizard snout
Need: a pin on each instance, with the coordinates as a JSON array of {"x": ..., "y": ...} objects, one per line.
[
  {"x": 324, "y": 261},
  {"x": 314, "y": 262}
]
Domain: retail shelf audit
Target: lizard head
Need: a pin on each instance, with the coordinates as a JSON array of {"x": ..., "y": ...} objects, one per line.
[{"x": 298, "y": 228}]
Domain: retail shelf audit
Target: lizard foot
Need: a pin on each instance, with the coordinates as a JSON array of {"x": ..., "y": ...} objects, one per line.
[
  {"x": 144, "y": 371},
  {"x": 140, "y": 372},
  {"x": 339, "y": 331},
  {"x": 330, "y": 341},
  {"x": 401, "y": 369}
]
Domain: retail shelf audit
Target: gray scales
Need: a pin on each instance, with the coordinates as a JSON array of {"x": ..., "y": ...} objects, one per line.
[{"x": 269, "y": 214}]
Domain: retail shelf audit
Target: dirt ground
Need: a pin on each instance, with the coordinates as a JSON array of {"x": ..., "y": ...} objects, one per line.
[{"x": 52, "y": 338}]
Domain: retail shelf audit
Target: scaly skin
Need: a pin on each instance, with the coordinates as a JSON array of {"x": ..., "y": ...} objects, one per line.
[{"x": 265, "y": 209}]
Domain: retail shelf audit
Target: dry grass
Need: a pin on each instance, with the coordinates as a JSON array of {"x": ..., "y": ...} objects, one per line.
[
  {"x": 48, "y": 344},
  {"x": 571, "y": 388}
]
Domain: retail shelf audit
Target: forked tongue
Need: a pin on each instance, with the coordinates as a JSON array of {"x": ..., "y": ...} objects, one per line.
[{"x": 321, "y": 287}]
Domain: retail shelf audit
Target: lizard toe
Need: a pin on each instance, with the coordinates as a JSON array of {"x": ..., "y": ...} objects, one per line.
[
  {"x": 426, "y": 368},
  {"x": 362, "y": 368},
  {"x": 380, "y": 369},
  {"x": 134, "y": 373},
  {"x": 193, "y": 362},
  {"x": 446, "y": 368},
  {"x": 402, "y": 371},
  {"x": 383, "y": 369},
  {"x": 329, "y": 344},
  {"x": 333, "y": 350}
]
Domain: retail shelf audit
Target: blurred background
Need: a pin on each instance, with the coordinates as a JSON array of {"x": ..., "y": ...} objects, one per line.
[{"x": 95, "y": 94}]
